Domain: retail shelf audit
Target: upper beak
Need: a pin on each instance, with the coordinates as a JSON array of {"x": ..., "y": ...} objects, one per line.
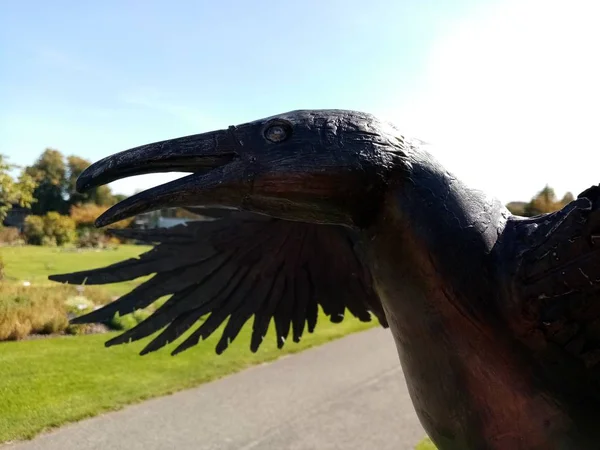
[{"x": 217, "y": 174}]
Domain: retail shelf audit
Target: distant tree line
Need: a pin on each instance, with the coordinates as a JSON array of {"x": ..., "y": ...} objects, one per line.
[
  {"x": 14, "y": 191},
  {"x": 544, "y": 201},
  {"x": 58, "y": 213},
  {"x": 55, "y": 177}
]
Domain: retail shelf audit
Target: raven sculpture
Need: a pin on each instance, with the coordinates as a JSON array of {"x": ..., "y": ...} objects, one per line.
[{"x": 496, "y": 318}]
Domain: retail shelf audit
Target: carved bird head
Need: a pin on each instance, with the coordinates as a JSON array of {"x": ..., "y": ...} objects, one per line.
[{"x": 320, "y": 166}]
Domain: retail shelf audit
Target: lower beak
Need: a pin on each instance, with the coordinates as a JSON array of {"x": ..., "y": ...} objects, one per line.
[{"x": 217, "y": 174}]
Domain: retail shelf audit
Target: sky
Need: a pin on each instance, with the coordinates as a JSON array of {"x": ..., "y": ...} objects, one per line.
[{"x": 506, "y": 91}]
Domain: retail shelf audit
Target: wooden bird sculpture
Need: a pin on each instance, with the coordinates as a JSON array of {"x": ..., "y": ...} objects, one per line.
[{"x": 496, "y": 318}]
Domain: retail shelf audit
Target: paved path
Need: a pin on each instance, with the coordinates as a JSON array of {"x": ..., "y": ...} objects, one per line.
[{"x": 349, "y": 394}]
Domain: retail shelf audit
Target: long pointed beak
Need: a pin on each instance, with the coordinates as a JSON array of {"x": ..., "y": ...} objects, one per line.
[
  {"x": 218, "y": 174},
  {"x": 196, "y": 153}
]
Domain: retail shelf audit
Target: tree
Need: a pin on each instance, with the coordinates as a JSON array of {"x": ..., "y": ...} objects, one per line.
[
  {"x": 545, "y": 202},
  {"x": 119, "y": 198},
  {"x": 100, "y": 195},
  {"x": 14, "y": 192},
  {"x": 50, "y": 174},
  {"x": 50, "y": 229},
  {"x": 517, "y": 208},
  {"x": 85, "y": 215},
  {"x": 567, "y": 198},
  {"x": 76, "y": 165},
  {"x": 103, "y": 196}
]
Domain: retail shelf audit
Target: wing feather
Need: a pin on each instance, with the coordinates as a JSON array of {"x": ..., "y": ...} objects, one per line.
[
  {"x": 558, "y": 282},
  {"x": 234, "y": 267},
  {"x": 303, "y": 296}
]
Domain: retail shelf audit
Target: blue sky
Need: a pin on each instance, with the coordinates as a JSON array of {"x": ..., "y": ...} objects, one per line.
[{"x": 510, "y": 81}]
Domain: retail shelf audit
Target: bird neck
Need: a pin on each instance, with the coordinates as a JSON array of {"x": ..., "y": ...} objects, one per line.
[
  {"x": 432, "y": 253},
  {"x": 432, "y": 250},
  {"x": 440, "y": 224}
]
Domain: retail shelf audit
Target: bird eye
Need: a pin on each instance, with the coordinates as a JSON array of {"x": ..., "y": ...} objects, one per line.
[{"x": 277, "y": 133}]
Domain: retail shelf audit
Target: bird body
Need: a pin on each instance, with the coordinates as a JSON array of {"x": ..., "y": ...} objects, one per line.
[
  {"x": 496, "y": 318},
  {"x": 434, "y": 256}
]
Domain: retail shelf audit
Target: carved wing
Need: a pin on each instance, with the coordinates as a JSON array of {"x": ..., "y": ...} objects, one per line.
[
  {"x": 234, "y": 267},
  {"x": 558, "y": 284}
]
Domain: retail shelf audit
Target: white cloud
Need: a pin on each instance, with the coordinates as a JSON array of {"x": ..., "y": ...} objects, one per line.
[{"x": 511, "y": 98}]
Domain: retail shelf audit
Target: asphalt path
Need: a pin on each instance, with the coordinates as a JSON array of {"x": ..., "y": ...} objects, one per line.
[{"x": 349, "y": 394}]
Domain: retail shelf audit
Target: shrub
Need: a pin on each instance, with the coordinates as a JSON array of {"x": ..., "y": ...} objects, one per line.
[
  {"x": 128, "y": 321},
  {"x": 27, "y": 309},
  {"x": 84, "y": 216},
  {"x": 141, "y": 314},
  {"x": 49, "y": 241},
  {"x": 62, "y": 228},
  {"x": 122, "y": 323},
  {"x": 96, "y": 294},
  {"x": 91, "y": 238},
  {"x": 43, "y": 309},
  {"x": 10, "y": 236},
  {"x": 34, "y": 230},
  {"x": 51, "y": 229},
  {"x": 86, "y": 328},
  {"x": 78, "y": 305}
]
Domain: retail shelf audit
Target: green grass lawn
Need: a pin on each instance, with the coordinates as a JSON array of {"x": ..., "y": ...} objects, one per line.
[
  {"x": 35, "y": 263},
  {"x": 48, "y": 382},
  {"x": 425, "y": 444}
]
